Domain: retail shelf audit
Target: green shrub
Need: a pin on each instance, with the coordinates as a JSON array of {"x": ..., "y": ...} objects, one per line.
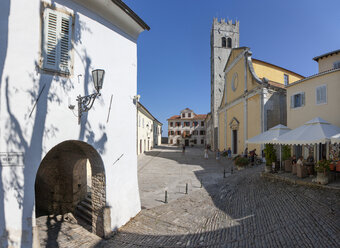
[
  {"x": 241, "y": 161},
  {"x": 323, "y": 165},
  {"x": 270, "y": 154},
  {"x": 285, "y": 152}
]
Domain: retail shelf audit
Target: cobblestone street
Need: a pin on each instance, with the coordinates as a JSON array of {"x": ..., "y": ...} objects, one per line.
[{"x": 241, "y": 210}]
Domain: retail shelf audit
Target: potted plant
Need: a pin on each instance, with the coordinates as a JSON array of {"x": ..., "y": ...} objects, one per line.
[
  {"x": 286, "y": 158},
  {"x": 241, "y": 162},
  {"x": 270, "y": 155},
  {"x": 322, "y": 168}
]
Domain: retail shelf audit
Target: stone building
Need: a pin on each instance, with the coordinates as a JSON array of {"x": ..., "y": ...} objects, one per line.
[
  {"x": 254, "y": 99},
  {"x": 149, "y": 130},
  {"x": 51, "y": 135},
  {"x": 223, "y": 37},
  {"x": 187, "y": 129}
]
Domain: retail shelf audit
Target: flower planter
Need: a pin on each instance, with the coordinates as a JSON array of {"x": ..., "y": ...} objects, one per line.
[
  {"x": 240, "y": 167},
  {"x": 322, "y": 177}
]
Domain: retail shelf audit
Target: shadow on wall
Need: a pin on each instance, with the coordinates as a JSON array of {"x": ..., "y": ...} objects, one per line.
[
  {"x": 4, "y": 19},
  {"x": 34, "y": 127}
]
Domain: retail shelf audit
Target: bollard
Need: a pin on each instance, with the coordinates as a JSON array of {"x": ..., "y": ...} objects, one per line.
[
  {"x": 201, "y": 182},
  {"x": 166, "y": 197},
  {"x": 186, "y": 188},
  {"x": 232, "y": 169},
  {"x": 224, "y": 173}
]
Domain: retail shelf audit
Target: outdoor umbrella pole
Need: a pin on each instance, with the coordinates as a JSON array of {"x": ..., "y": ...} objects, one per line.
[{"x": 280, "y": 158}]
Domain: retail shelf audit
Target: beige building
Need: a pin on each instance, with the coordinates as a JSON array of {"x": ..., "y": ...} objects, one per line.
[
  {"x": 254, "y": 99},
  {"x": 187, "y": 129},
  {"x": 149, "y": 130},
  {"x": 316, "y": 96}
]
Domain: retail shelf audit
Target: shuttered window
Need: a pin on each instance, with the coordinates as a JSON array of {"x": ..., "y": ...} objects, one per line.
[
  {"x": 57, "y": 41},
  {"x": 297, "y": 100},
  {"x": 336, "y": 65},
  {"x": 321, "y": 94}
]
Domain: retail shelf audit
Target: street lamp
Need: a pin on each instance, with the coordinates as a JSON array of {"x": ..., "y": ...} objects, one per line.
[{"x": 85, "y": 103}]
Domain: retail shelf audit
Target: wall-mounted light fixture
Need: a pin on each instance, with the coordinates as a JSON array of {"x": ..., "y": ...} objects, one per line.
[{"x": 85, "y": 103}]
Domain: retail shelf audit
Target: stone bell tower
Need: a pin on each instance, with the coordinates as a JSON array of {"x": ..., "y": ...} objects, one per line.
[{"x": 223, "y": 37}]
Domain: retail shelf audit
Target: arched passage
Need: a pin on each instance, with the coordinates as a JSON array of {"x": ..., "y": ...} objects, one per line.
[{"x": 62, "y": 184}]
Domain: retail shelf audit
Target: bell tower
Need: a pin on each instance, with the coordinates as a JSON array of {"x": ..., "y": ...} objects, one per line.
[{"x": 224, "y": 36}]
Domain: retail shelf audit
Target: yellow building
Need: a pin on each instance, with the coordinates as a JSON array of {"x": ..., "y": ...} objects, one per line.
[
  {"x": 254, "y": 99},
  {"x": 316, "y": 96}
]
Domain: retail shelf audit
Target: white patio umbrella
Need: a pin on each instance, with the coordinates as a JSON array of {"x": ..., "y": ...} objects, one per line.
[
  {"x": 312, "y": 132},
  {"x": 335, "y": 138},
  {"x": 269, "y": 136}
]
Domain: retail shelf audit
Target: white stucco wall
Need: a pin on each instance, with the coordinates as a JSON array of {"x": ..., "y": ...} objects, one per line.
[
  {"x": 145, "y": 132},
  {"x": 97, "y": 44}
]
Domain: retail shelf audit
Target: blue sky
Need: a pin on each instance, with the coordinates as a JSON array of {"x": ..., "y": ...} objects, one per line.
[{"x": 174, "y": 56}]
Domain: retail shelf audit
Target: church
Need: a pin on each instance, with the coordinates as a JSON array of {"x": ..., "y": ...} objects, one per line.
[{"x": 248, "y": 96}]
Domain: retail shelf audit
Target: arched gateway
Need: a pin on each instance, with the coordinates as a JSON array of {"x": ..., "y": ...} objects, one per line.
[{"x": 66, "y": 183}]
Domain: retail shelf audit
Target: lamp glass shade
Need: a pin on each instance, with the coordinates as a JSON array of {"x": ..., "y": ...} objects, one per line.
[{"x": 98, "y": 78}]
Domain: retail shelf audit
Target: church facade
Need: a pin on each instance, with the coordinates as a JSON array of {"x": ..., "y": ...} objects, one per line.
[{"x": 254, "y": 99}]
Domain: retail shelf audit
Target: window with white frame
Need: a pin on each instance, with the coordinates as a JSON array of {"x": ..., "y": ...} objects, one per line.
[
  {"x": 286, "y": 79},
  {"x": 57, "y": 33},
  {"x": 321, "y": 94},
  {"x": 336, "y": 65},
  {"x": 139, "y": 120},
  {"x": 297, "y": 100}
]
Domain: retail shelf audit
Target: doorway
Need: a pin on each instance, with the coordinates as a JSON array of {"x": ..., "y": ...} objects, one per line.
[
  {"x": 71, "y": 179},
  {"x": 234, "y": 144}
]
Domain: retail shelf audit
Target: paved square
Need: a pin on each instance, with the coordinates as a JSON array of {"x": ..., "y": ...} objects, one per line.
[{"x": 241, "y": 210}]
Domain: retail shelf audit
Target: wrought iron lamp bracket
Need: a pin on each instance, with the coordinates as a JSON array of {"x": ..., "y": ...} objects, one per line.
[{"x": 85, "y": 103}]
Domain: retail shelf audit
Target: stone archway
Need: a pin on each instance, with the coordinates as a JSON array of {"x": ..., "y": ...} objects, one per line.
[{"x": 61, "y": 183}]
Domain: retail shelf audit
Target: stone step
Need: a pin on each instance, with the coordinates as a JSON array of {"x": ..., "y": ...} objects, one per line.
[
  {"x": 84, "y": 214},
  {"x": 86, "y": 204},
  {"x": 88, "y": 200}
]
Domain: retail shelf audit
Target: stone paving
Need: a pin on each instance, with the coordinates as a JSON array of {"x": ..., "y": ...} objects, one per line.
[
  {"x": 241, "y": 210},
  {"x": 167, "y": 168}
]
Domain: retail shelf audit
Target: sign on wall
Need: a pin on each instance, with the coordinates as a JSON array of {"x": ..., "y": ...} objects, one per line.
[{"x": 11, "y": 159}]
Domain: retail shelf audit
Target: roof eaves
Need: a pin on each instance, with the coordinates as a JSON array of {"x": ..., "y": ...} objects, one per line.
[
  {"x": 326, "y": 54},
  {"x": 313, "y": 76},
  {"x": 132, "y": 14}
]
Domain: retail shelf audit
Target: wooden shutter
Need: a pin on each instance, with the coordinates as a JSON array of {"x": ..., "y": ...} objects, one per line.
[
  {"x": 321, "y": 94},
  {"x": 292, "y": 101},
  {"x": 303, "y": 99},
  {"x": 65, "y": 43},
  {"x": 50, "y": 39},
  {"x": 57, "y": 41}
]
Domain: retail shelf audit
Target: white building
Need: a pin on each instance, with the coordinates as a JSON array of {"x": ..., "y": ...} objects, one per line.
[
  {"x": 48, "y": 51},
  {"x": 149, "y": 130},
  {"x": 187, "y": 128}
]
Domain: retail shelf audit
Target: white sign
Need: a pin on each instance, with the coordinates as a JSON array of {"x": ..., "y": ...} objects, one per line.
[{"x": 11, "y": 159}]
